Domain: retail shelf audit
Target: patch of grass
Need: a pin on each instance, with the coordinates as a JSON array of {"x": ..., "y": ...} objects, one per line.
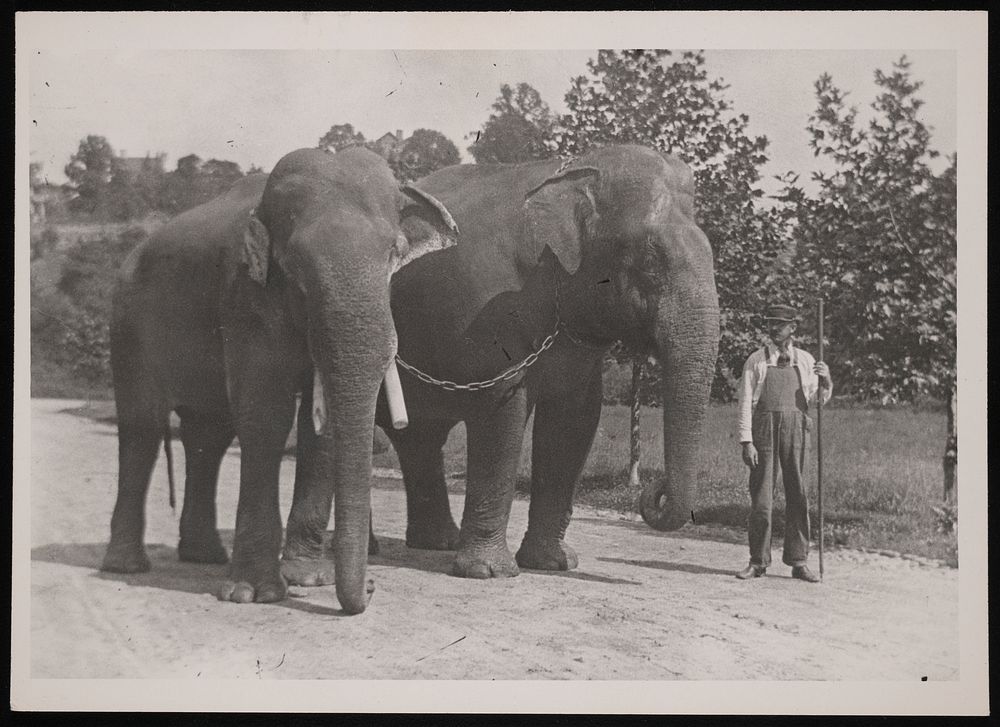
[{"x": 882, "y": 477}]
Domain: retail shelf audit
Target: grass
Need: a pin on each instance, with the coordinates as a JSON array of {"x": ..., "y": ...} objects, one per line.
[{"x": 881, "y": 476}]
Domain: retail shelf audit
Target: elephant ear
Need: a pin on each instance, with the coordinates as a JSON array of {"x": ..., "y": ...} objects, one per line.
[
  {"x": 256, "y": 249},
  {"x": 425, "y": 224},
  {"x": 559, "y": 213}
]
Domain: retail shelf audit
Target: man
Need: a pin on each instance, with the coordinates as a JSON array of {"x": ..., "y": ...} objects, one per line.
[{"x": 778, "y": 384}]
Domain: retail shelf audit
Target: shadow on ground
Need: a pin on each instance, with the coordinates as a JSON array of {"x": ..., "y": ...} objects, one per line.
[
  {"x": 167, "y": 571},
  {"x": 667, "y": 566}
]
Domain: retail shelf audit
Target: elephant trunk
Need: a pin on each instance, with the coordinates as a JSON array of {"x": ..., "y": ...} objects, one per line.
[
  {"x": 347, "y": 440},
  {"x": 351, "y": 351},
  {"x": 687, "y": 335}
]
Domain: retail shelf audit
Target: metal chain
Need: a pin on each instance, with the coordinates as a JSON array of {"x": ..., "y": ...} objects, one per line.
[{"x": 480, "y": 385}]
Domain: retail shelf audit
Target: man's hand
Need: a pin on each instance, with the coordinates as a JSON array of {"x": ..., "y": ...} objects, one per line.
[
  {"x": 749, "y": 454},
  {"x": 823, "y": 372}
]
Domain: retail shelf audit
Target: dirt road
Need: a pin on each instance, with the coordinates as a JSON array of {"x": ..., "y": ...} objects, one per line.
[{"x": 641, "y": 605}]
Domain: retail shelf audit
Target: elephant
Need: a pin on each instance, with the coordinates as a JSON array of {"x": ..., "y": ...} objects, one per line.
[
  {"x": 277, "y": 288},
  {"x": 556, "y": 261}
]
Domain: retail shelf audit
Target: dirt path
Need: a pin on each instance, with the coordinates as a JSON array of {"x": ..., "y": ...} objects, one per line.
[{"x": 641, "y": 605}]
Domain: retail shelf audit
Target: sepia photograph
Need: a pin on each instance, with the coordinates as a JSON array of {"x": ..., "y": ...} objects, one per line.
[{"x": 584, "y": 360}]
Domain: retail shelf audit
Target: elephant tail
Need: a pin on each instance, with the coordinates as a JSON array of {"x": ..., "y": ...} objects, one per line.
[{"x": 168, "y": 451}]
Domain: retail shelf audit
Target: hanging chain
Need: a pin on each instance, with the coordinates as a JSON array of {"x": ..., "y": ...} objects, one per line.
[{"x": 480, "y": 385}]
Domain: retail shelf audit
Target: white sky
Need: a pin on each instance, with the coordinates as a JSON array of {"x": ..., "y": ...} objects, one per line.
[{"x": 252, "y": 106}]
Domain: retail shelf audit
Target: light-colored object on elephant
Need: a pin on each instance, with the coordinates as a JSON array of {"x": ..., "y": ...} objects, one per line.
[
  {"x": 319, "y": 404},
  {"x": 394, "y": 397}
]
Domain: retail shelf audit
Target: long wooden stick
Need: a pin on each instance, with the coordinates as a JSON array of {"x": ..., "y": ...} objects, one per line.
[{"x": 819, "y": 441}]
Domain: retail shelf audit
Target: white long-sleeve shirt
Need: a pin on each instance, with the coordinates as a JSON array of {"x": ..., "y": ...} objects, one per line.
[{"x": 752, "y": 381}]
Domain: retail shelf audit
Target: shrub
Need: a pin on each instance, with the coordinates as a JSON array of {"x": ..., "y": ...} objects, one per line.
[
  {"x": 43, "y": 242},
  {"x": 70, "y": 312}
]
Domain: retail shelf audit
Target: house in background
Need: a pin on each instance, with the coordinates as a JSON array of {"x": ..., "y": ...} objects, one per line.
[{"x": 388, "y": 143}]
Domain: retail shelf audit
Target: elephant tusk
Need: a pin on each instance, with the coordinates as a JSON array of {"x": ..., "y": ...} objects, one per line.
[
  {"x": 318, "y": 405},
  {"x": 394, "y": 397}
]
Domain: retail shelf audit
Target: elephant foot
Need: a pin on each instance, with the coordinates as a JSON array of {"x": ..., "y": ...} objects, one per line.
[
  {"x": 496, "y": 562},
  {"x": 308, "y": 571},
  {"x": 129, "y": 558},
  {"x": 442, "y": 537},
  {"x": 546, "y": 554},
  {"x": 202, "y": 550},
  {"x": 247, "y": 587}
]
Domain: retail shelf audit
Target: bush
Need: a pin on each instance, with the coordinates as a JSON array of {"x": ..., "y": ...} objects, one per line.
[
  {"x": 89, "y": 342},
  {"x": 70, "y": 312},
  {"x": 43, "y": 242}
]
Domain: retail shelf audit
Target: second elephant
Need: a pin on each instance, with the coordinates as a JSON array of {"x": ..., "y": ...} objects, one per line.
[{"x": 556, "y": 262}]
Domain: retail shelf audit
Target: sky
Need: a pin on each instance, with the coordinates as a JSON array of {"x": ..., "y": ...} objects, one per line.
[{"x": 253, "y": 106}]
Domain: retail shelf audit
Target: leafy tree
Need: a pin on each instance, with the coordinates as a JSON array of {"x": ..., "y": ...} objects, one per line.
[
  {"x": 194, "y": 182},
  {"x": 217, "y": 176},
  {"x": 423, "y": 152},
  {"x": 122, "y": 198},
  {"x": 189, "y": 166},
  {"x": 878, "y": 242},
  {"x": 180, "y": 187},
  {"x": 340, "y": 136},
  {"x": 519, "y": 129},
  {"x": 89, "y": 172}
]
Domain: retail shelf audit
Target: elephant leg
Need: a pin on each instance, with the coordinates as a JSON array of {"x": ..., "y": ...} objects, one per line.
[
  {"x": 429, "y": 523},
  {"x": 264, "y": 418},
  {"x": 561, "y": 440},
  {"x": 139, "y": 438},
  {"x": 494, "y": 453},
  {"x": 206, "y": 439},
  {"x": 304, "y": 561}
]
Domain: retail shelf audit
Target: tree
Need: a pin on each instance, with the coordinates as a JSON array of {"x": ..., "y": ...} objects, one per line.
[
  {"x": 423, "y": 152},
  {"x": 649, "y": 97},
  {"x": 340, "y": 136},
  {"x": 519, "y": 129},
  {"x": 180, "y": 187},
  {"x": 878, "y": 242},
  {"x": 194, "y": 182},
  {"x": 89, "y": 172},
  {"x": 122, "y": 198},
  {"x": 217, "y": 176}
]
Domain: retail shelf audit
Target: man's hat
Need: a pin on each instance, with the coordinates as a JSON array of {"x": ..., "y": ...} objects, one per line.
[{"x": 781, "y": 313}]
